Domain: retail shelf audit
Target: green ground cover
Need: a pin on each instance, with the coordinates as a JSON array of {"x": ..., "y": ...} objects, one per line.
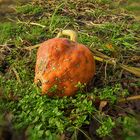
[{"x": 93, "y": 114}]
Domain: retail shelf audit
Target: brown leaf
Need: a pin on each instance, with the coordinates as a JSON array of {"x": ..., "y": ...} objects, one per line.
[{"x": 102, "y": 105}]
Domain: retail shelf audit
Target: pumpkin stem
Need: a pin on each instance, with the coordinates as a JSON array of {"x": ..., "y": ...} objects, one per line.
[{"x": 71, "y": 33}]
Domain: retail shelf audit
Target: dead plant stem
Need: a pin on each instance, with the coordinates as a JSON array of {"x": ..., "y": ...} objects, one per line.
[{"x": 136, "y": 97}]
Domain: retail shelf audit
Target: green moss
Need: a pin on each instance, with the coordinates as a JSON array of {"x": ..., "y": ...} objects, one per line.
[
  {"x": 135, "y": 26},
  {"x": 29, "y": 9},
  {"x": 34, "y": 34},
  {"x": 18, "y": 32},
  {"x": 58, "y": 21},
  {"x": 133, "y": 8},
  {"x": 7, "y": 31}
]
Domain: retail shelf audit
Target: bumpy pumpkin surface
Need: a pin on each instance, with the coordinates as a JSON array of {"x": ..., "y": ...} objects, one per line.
[{"x": 63, "y": 63}]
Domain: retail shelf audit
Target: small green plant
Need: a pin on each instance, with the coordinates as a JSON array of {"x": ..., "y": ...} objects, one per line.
[
  {"x": 106, "y": 127},
  {"x": 43, "y": 116},
  {"x": 80, "y": 86},
  {"x": 110, "y": 93},
  {"x": 130, "y": 127},
  {"x": 128, "y": 123}
]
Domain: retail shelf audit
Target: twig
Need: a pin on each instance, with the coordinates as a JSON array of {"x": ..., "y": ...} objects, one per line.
[
  {"x": 32, "y": 23},
  {"x": 4, "y": 45},
  {"x": 104, "y": 58},
  {"x": 106, "y": 71},
  {"x": 109, "y": 61},
  {"x": 83, "y": 133},
  {"x": 133, "y": 70},
  {"x": 136, "y": 97},
  {"x": 99, "y": 54},
  {"x": 17, "y": 75},
  {"x": 32, "y": 47}
]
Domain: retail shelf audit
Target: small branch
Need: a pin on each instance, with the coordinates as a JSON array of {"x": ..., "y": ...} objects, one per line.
[
  {"x": 83, "y": 133},
  {"x": 32, "y": 23},
  {"x": 37, "y": 24},
  {"x": 136, "y": 97},
  {"x": 32, "y": 47},
  {"x": 97, "y": 100},
  {"x": 109, "y": 61},
  {"x": 104, "y": 58},
  {"x": 133, "y": 70},
  {"x": 17, "y": 75},
  {"x": 105, "y": 72},
  {"x": 5, "y": 45}
]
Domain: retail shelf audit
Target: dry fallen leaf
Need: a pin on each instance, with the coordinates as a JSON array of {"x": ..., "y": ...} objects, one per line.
[{"x": 102, "y": 105}]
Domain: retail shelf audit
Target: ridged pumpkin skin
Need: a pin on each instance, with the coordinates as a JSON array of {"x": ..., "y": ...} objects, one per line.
[{"x": 63, "y": 63}]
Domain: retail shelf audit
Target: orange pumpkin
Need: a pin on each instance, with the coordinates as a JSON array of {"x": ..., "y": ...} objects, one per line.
[{"x": 64, "y": 63}]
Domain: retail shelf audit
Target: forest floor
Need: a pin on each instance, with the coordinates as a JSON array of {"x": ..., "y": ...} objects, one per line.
[{"x": 106, "y": 109}]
